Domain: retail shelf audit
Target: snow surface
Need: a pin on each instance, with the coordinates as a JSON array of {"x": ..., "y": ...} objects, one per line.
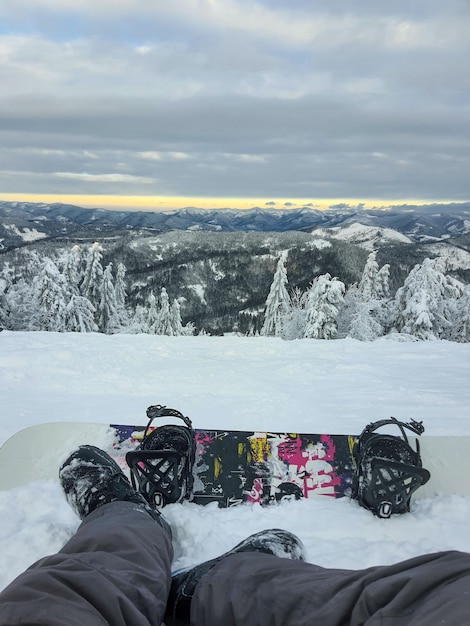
[
  {"x": 236, "y": 382},
  {"x": 368, "y": 237}
]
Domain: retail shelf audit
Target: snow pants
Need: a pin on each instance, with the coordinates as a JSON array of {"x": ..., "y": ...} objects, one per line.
[
  {"x": 116, "y": 571},
  {"x": 249, "y": 589}
]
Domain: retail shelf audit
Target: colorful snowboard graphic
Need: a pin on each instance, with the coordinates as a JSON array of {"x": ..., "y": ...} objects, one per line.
[
  {"x": 241, "y": 466},
  {"x": 235, "y": 466}
]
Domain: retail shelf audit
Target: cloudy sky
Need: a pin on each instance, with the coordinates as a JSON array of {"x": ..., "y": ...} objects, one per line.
[{"x": 235, "y": 102}]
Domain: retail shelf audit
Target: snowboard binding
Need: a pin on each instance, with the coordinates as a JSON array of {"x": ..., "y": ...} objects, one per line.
[
  {"x": 387, "y": 469},
  {"x": 162, "y": 466}
]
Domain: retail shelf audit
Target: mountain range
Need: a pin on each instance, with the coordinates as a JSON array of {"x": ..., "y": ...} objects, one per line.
[{"x": 25, "y": 222}]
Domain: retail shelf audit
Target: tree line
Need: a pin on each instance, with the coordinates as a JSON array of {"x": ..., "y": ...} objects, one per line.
[
  {"x": 430, "y": 305},
  {"x": 73, "y": 292}
]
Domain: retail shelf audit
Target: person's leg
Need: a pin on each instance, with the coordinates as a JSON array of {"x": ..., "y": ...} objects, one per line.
[
  {"x": 114, "y": 570},
  {"x": 253, "y": 589}
]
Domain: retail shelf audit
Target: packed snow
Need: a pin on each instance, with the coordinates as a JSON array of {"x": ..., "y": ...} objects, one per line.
[{"x": 258, "y": 383}]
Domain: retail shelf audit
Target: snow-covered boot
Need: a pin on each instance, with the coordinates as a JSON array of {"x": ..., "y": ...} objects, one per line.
[
  {"x": 90, "y": 478},
  {"x": 280, "y": 543},
  {"x": 162, "y": 467}
]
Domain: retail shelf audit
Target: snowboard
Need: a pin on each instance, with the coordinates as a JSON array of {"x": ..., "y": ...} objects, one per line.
[{"x": 233, "y": 467}]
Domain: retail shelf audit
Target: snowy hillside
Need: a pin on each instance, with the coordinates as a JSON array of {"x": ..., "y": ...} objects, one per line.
[
  {"x": 230, "y": 382},
  {"x": 368, "y": 237}
]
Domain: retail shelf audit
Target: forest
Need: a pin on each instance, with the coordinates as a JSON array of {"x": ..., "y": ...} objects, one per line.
[{"x": 291, "y": 285}]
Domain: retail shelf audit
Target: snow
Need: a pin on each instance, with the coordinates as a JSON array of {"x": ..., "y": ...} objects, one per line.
[
  {"x": 258, "y": 383},
  {"x": 28, "y": 234},
  {"x": 368, "y": 237}
]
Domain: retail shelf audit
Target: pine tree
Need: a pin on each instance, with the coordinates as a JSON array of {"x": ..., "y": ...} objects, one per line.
[
  {"x": 422, "y": 306},
  {"x": 79, "y": 315},
  {"x": 461, "y": 321},
  {"x": 121, "y": 295},
  {"x": 277, "y": 303},
  {"x": 294, "y": 320},
  {"x": 150, "y": 317},
  {"x": 163, "y": 325},
  {"x": 50, "y": 299},
  {"x": 71, "y": 269},
  {"x": 325, "y": 298},
  {"x": 368, "y": 283},
  {"x": 93, "y": 277},
  {"x": 175, "y": 318},
  {"x": 107, "y": 312},
  {"x": 382, "y": 282}
]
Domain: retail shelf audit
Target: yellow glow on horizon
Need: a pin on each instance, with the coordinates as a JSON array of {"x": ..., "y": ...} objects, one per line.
[{"x": 161, "y": 203}]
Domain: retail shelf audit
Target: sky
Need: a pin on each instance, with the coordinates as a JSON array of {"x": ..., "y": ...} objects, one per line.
[{"x": 157, "y": 104}]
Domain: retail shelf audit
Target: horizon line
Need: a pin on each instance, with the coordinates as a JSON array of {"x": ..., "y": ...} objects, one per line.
[{"x": 165, "y": 203}]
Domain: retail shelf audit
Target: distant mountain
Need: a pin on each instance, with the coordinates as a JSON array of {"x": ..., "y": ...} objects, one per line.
[{"x": 24, "y": 222}]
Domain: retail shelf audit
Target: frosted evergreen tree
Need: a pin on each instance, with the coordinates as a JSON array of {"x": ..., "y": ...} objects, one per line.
[
  {"x": 175, "y": 317},
  {"x": 18, "y": 305},
  {"x": 422, "y": 307},
  {"x": 121, "y": 295},
  {"x": 5, "y": 286},
  {"x": 294, "y": 320},
  {"x": 151, "y": 315},
  {"x": 382, "y": 283},
  {"x": 107, "y": 313},
  {"x": 50, "y": 299},
  {"x": 71, "y": 263},
  {"x": 137, "y": 321},
  {"x": 325, "y": 298},
  {"x": 366, "y": 311},
  {"x": 79, "y": 315},
  {"x": 93, "y": 276},
  {"x": 277, "y": 303},
  {"x": 120, "y": 285},
  {"x": 363, "y": 324},
  {"x": 461, "y": 321},
  {"x": 359, "y": 318},
  {"x": 368, "y": 283},
  {"x": 163, "y": 325}
]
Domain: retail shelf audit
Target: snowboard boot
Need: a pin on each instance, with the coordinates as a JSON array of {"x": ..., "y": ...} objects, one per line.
[
  {"x": 90, "y": 478},
  {"x": 276, "y": 542}
]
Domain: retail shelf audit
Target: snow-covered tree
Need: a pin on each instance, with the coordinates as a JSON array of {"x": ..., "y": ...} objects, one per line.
[
  {"x": 461, "y": 321},
  {"x": 382, "y": 282},
  {"x": 18, "y": 305},
  {"x": 150, "y": 315},
  {"x": 368, "y": 284},
  {"x": 107, "y": 313},
  {"x": 366, "y": 310},
  {"x": 325, "y": 298},
  {"x": 163, "y": 325},
  {"x": 422, "y": 306},
  {"x": 93, "y": 276},
  {"x": 277, "y": 303},
  {"x": 79, "y": 315},
  {"x": 294, "y": 320},
  {"x": 71, "y": 261},
  {"x": 121, "y": 295},
  {"x": 175, "y": 317},
  {"x": 50, "y": 299}
]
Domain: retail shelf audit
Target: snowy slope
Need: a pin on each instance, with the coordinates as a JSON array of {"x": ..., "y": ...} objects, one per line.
[
  {"x": 231, "y": 382},
  {"x": 368, "y": 237}
]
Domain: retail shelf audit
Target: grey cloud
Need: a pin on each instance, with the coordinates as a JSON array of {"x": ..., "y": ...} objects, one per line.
[{"x": 373, "y": 104}]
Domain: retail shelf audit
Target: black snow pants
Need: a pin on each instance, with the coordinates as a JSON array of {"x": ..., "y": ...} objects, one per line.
[{"x": 116, "y": 570}]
